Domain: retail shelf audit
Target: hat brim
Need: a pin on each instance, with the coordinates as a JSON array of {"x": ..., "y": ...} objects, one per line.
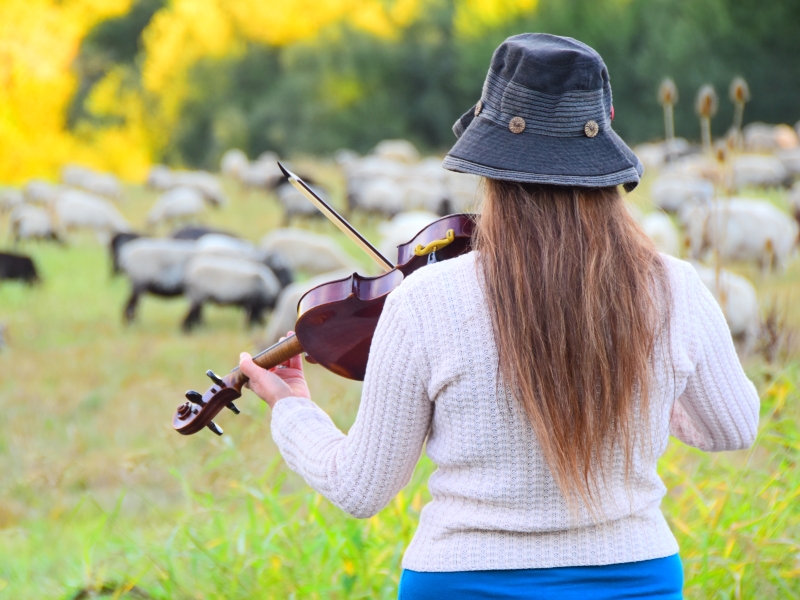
[{"x": 486, "y": 149}]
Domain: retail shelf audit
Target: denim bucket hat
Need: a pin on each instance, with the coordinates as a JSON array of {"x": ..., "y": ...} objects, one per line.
[{"x": 544, "y": 116}]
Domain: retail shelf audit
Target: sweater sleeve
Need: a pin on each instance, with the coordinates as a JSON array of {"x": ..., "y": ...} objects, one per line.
[
  {"x": 362, "y": 471},
  {"x": 718, "y": 410}
]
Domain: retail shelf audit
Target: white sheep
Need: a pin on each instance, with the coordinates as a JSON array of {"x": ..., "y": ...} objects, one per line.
[
  {"x": 652, "y": 156},
  {"x": 234, "y": 163},
  {"x": 399, "y": 150},
  {"x": 9, "y": 199},
  {"x": 306, "y": 251},
  {"x": 374, "y": 167},
  {"x": 76, "y": 209},
  {"x": 760, "y": 137},
  {"x": 362, "y": 173},
  {"x": 758, "y": 171},
  {"x": 284, "y": 315},
  {"x": 741, "y": 229},
  {"x": 794, "y": 200},
  {"x": 159, "y": 177},
  {"x": 295, "y": 204},
  {"x": 697, "y": 166},
  {"x": 264, "y": 172},
  {"x": 402, "y": 228},
  {"x": 662, "y": 231},
  {"x": 206, "y": 183},
  {"x": 163, "y": 179},
  {"x": 672, "y": 192},
  {"x": 229, "y": 281},
  {"x": 345, "y": 156},
  {"x": 424, "y": 194},
  {"x": 101, "y": 184},
  {"x": 227, "y": 246},
  {"x": 381, "y": 196},
  {"x": 31, "y": 223},
  {"x": 154, "y": 266},
  {"x": 41, "y": 192},
  {"x": 463, "y": 192},
  {"x": 178, "y": 204},
  {"x": 739, "y": 302},
  {"x": 221, "y": 244},
  {"x": 656, "y": 155},
  {"x": 791, "y": 160}
]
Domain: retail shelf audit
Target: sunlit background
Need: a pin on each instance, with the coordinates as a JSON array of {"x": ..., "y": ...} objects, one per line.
[
  {"x": 119, "y": 84},
  {"x": 148, "y": 117}
]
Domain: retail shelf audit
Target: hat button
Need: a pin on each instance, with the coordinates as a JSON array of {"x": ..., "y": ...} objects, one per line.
[
  {"x": 591, "y": 128},
  {"x": 478, "y": 107},
  {"x": 517, "y": 125}
]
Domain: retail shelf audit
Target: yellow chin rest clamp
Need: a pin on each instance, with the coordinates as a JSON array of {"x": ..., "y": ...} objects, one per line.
[{"x": 435, "y": 245}]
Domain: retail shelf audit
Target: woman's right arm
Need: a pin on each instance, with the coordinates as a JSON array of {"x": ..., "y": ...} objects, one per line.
[{"x": 718, "y": 410}]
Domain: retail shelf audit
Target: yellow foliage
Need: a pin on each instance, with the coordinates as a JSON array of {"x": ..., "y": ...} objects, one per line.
[
  {"x": 39, "y": 39},
  {"x": 177, "y": 37},
  {"x": 473, "y": 17}
]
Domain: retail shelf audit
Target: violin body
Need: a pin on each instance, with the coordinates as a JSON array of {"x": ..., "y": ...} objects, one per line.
[
  {"x": 337, "y": 319},
  {"x": 336, "y": 322}
]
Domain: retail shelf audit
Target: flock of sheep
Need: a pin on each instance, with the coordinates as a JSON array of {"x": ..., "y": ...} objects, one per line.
[
  {"x": 718, "y": 222},
  {"x": 207, "y": 265},
  {"x": 699, "y": 196}
]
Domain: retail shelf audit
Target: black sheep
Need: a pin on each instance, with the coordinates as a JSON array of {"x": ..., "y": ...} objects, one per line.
[
  {"x": 116, "y": 244},
  {"x": 17, "y": 266},
  {"x": 196, "y": 232}
]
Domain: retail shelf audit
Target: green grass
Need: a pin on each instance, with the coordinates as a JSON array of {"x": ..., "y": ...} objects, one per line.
[{"x": 98, "y": 494}]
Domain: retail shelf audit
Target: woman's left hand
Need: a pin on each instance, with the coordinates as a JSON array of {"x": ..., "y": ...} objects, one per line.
[{"x": 284, "y": 381}]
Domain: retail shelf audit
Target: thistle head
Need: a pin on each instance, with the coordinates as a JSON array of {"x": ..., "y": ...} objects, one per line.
[
  {"x": 667, "y": 92},
  {"x": 739, "y": 91},
  {"x": 707, "y": 101}
]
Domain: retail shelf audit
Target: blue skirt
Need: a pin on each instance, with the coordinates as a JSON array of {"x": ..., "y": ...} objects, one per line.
[{"x": 657, "y": 579}]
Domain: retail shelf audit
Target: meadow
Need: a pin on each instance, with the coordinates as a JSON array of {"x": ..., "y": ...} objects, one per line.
[{"x": 100, "y": 498}]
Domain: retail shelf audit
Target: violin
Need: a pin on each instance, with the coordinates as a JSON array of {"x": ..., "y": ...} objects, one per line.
[{"x": 336, "y": 320}]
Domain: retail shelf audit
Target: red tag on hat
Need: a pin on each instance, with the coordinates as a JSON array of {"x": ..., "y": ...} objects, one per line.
[{"x": 612, "y": 112}]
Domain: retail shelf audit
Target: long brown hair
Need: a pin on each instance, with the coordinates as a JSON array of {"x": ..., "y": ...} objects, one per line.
[{"x": 574, "y": 288}]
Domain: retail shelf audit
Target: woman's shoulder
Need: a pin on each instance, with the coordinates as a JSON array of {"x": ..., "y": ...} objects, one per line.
[{"x": 682, "y": 274}]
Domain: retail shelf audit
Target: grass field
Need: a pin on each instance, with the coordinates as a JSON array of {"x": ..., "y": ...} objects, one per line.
[{"x": 99, "y": 497}]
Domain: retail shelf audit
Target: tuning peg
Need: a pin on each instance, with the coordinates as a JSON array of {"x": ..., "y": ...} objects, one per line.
[
  {"x": 214, "y": 427},
  {"x": 215, "y": 378},
  {"x": 233, "y": 407},
  {"x": 195, "y": 398}
]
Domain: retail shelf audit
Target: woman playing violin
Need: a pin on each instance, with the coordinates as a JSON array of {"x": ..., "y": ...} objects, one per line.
[{"x": 543, "y": 372}]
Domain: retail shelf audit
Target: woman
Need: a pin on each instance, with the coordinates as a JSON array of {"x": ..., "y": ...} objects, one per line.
[{"x": 546, "y": 369}]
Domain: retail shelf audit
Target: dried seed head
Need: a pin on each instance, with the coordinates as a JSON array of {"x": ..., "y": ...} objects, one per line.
[
  {"x": 668, "y": 92},
  {"x": 739, "y": 91},
  {"x": 707, "y": 101},
  {"x": 721, "y": 151}
]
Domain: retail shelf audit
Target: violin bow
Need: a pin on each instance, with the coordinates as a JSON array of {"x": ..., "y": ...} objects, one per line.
[{"x": 338, "y": 220}]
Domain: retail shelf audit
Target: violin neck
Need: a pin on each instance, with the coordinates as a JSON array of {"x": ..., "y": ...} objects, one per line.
[
  {"x": 278, "y": 353},
  {"x": 266, "y": 359}
]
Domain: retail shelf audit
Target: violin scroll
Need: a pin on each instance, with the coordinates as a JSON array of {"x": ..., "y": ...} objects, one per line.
[{"x": 199, "y": 410}]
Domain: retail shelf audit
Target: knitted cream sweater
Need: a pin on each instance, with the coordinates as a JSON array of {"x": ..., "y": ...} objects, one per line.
[{"x": 433, "y": 374}]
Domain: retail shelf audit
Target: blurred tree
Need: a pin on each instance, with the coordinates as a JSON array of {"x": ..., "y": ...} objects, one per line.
[
  {"x": 191, "y": 78},
  {"x": 38, "y": 42},
  {"x": 110, "y": 43}
]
